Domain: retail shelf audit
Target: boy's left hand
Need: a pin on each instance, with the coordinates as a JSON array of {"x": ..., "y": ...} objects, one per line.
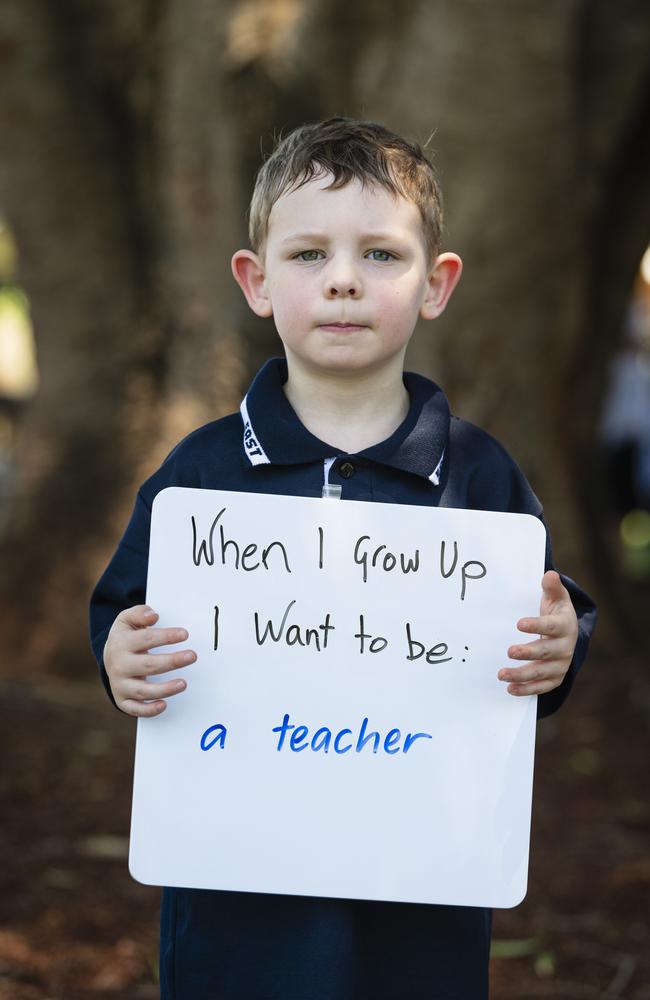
[{"x": 550, "y": 655}]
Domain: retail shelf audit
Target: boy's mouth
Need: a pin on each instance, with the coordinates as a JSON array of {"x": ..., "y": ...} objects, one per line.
[{"x": 342, "y": 326}]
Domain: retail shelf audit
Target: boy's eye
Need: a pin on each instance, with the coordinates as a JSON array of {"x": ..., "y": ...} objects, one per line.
[
  {"x": 380, "y": 255},
  {"x": 309, "y": 255}
]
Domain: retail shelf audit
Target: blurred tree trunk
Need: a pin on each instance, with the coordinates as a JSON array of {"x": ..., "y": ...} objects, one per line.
[
  {"x": 131, "y": 130},
  {"x": 117, "y": 181}
]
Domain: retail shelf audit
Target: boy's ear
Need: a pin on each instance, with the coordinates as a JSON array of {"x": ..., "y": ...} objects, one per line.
[
  {"x": 443, "y": 278},
  {"x": 249, "y": 273}
]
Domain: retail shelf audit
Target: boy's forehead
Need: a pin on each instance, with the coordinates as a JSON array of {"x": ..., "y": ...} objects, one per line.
[{"x": 316, "y": 205}]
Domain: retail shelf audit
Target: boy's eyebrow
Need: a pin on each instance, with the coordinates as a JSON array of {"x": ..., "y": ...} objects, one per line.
[
  {"x": 378, "y": 236},
  {"x": 301, "y": 237}
]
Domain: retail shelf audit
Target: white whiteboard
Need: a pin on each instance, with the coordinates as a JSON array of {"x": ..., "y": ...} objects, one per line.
[{"x": 239, "y": 786}]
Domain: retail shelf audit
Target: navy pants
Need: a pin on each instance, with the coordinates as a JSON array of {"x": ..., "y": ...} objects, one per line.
[{"x": 248, "y": 946}]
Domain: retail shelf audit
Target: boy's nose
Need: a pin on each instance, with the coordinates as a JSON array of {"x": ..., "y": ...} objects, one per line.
[
  {"x": 342, "y": 281},
  {"x": 336, "y": 288},
  {"x": 342, "y": 290}
]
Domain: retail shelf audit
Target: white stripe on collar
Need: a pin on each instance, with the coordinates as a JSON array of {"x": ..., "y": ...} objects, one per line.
[
  {"x": 435, "y": 475},
  {"x": 330, "y": 491},
  {"x": 327, "y": 465},
  {"x": 252, "y": 447}
]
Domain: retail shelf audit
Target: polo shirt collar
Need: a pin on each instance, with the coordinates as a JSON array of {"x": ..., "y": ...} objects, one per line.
[{"x": 273, "y": 434}]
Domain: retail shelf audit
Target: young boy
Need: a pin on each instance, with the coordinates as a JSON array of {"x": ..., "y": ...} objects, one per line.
[{"x": 345, "y": 225}]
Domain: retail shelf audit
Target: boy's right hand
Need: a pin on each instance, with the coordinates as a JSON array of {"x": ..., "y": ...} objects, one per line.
[{"x": 129, "y": 663}]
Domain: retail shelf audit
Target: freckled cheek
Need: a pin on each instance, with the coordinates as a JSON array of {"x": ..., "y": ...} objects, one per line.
[
  {"x": 398, "y": 312},
  {"x": 293, "y": 307}
]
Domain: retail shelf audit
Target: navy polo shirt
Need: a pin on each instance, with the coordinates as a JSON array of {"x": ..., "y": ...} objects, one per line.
[{"x": 245, "y": 945}]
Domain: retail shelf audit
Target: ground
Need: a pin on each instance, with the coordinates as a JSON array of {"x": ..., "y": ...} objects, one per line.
[{"x": 75, "y": 926}]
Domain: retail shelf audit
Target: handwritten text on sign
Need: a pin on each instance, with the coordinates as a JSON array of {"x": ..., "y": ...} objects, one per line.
[{"x": 343, "y": 732}]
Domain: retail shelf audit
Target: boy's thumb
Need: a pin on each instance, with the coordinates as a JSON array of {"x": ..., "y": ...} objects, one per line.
[
  {"x": 138, "y": 616},
  {"x": 552, "y": 585}
]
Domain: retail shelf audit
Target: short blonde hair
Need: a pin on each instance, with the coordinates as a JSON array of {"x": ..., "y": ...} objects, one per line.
[{"x": 348, "y": 149}]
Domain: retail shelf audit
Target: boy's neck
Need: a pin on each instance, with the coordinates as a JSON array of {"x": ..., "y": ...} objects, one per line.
[{"x": 350, "y": 413}]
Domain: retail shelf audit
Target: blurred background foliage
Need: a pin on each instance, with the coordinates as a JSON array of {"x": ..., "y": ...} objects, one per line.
[{"x": 130, "y": 133}]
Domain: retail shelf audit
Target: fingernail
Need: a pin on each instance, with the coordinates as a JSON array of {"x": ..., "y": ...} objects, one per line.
[
  {"x": 180, "y": 686},
  {"x": 189, "y": 657},
  {"x": 182, "y": 634}
]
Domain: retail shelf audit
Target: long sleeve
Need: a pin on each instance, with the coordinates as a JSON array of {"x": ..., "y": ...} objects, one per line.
[
  {"x": 586, "y": 612},
  {"x": 123, "y": 584}
]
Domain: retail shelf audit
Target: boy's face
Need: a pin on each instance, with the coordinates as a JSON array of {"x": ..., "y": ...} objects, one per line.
[{"x": 345, "y": 274}]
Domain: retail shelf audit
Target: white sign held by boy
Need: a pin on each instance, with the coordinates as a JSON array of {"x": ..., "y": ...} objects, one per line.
[{"x": 343, "y": 732}]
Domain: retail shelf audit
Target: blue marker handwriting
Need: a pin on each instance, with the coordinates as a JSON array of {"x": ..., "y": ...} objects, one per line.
[
  {"x": 356, "y": 740},
  {"x": 294, "y": 738}
]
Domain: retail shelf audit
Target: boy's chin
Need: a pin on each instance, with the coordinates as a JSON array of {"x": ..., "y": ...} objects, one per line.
[{"x": 345, "y": 366}]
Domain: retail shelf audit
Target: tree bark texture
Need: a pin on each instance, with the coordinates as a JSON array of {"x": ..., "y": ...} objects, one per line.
[{"x": 131, "y": 132}]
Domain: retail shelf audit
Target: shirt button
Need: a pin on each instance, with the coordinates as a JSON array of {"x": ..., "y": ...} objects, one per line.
[{"x": 346, "y": 469}]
